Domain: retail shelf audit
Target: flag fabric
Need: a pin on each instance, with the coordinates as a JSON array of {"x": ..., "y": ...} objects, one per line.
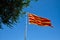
[{"x": 34, "y": 19}]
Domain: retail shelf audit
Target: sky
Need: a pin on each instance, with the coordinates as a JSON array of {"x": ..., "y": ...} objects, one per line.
[{"x": 45, "y": 8}]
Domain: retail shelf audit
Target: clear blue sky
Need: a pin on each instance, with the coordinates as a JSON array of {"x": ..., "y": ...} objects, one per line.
[{"x": 45, "y": 8}]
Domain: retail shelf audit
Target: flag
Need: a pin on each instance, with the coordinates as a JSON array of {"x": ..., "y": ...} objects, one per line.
[{"x": 34, "y": 19}]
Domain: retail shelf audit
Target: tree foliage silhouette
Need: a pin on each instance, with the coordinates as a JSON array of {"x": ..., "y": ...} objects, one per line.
[{"x": 10, "y": 11}]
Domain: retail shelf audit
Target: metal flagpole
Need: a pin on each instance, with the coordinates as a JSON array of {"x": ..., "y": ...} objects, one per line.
[{"x": 25, "y": 33}]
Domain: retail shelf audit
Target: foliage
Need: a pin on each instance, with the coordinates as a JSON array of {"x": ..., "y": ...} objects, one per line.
[{"x": 10, "y": 11}]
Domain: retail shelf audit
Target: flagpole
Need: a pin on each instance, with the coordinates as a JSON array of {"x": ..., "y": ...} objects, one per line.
[{"x": 25, "y": 34}]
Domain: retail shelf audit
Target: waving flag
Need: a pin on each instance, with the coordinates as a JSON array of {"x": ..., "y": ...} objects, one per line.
[{"x": 34, "y": 19}]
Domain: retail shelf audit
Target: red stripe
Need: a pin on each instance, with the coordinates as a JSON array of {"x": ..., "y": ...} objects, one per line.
[
  {"x": 31, "y": 19},
  {"x": 45, "y": 20},
  {"x": 32, "y": 22}
]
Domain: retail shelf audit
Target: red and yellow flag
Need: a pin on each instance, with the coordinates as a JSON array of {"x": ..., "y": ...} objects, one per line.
[{"x": 33, "y": 19}]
